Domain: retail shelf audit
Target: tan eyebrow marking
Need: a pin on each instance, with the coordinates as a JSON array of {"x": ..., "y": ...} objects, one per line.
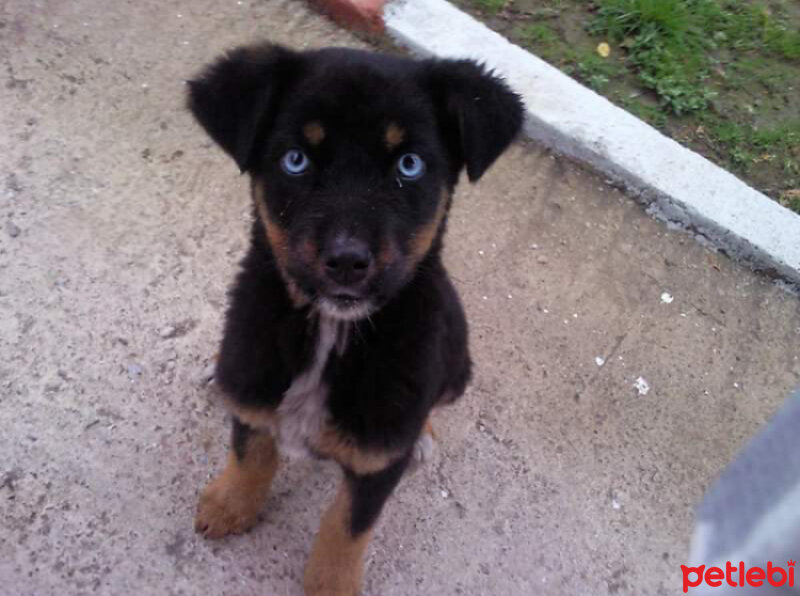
[
  {"x": 394, "y": 135},
  {"x": 314, "y": 133}
]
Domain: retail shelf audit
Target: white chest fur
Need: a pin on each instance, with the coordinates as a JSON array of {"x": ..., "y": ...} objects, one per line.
[{"x": 304, "y": 411}]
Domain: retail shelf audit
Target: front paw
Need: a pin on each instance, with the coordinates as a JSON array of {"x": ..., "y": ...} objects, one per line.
[{"x": 225, "y": 509}]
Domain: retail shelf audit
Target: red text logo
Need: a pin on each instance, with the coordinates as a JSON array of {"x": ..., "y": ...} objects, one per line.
[{"x": 738, "y": 575}]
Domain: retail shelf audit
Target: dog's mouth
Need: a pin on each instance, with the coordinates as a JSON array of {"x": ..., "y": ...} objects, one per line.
[{"x": 345, "y": 306}]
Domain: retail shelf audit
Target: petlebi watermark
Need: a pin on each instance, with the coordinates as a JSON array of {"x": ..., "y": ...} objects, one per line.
[{"x": 738, "y": 575}]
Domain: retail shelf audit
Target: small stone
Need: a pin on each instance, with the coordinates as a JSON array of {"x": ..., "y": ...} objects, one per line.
[
  {"x": 642, "y": 386},
  {"x": 135, "y": 370},
  {"x": 167, "y": 332},
  {"x": 542, "y": 260},
  {"x": 12, "y": 229},
  {"x": 667, "y": 298},
  {"x": 599, "y": 360}
]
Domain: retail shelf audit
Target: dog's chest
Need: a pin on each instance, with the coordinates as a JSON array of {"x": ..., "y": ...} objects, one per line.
[{"x": 304, "y": 410}]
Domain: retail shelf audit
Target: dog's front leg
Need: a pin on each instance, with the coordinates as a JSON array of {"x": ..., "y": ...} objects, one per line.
[
  {"x": 337, "y": 557},
  {"x": 230, "y": 503}
]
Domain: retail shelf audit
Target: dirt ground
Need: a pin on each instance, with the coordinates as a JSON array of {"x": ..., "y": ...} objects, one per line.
[{"x": 121, "y": 228}]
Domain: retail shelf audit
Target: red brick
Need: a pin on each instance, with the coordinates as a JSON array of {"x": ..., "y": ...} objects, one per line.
[{"x": 363, "y": 15}]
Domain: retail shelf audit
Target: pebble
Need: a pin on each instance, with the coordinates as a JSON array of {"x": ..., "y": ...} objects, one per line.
[
  {"x": 542, "y": 260},
  {"x": 167, "y": 332},
  {"x": 12, "y": 229},
  {"x": 642, "y": 386},
  {"x": 135, "y": 370}
]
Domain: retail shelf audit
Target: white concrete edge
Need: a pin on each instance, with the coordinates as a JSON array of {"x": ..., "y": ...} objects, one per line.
[{"x": 676, "y": 184}]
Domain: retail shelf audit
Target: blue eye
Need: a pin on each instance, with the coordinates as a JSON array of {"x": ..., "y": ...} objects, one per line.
[
  {"x": 295, "y": 162},
  {"x": 410, "y": 166}
]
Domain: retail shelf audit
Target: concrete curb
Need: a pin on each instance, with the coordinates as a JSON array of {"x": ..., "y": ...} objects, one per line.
[{"x": 676, "y": 184}]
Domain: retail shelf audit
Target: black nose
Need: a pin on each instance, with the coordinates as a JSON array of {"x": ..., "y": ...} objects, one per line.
[{"x": 347, "y": 261}]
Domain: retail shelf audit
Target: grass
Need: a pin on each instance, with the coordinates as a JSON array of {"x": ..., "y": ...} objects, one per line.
[
  {"x": 490, "y": 6},
  {"x": 721, "y": 76},
  {"x": 670, "y": 42}
]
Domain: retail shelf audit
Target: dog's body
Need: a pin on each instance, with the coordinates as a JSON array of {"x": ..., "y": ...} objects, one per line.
[{"x": 343, "y": 331}]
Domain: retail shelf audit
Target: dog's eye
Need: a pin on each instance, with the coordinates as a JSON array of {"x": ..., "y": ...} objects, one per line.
[
  {"x": 295, "y": 162},
  {"x": 410, "y": 166}
]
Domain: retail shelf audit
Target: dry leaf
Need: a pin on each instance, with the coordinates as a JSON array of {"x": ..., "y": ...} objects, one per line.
[{"x": 604, "y": 49}]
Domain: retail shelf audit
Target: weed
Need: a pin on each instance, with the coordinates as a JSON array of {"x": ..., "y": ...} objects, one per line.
[
  {"x": 538, "y": 34},
  {"x": 664, "y": 46},
  {"x": 648, "y": 113},
  {"x": 597, "y": 72},
  {"x": 490, "y": 6},
  {"x": 792, "y": 201},
  {"x": 719, "y": 75}
]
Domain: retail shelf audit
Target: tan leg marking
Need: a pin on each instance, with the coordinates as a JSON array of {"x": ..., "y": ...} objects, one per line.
[
  {"x": 262, "y": 418},
  {"x": 336, "y": 446},
  {"x": 336, "y": 563},
  {"x": 230, "y": 503}
]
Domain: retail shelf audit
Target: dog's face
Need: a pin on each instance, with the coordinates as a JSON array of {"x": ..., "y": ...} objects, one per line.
[{"x": 353, "y": 157}]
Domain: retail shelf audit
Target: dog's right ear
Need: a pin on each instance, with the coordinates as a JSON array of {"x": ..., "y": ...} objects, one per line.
[{"x": 235, "y": 98}]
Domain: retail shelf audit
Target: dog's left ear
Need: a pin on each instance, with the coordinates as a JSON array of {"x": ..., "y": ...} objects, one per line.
[
  {"x": 478, "y": 113},
  {"x": 235, "y": 98}
]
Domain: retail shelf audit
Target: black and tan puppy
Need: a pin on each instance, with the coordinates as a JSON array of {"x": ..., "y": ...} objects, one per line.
[{"x": 344, "y": 331}]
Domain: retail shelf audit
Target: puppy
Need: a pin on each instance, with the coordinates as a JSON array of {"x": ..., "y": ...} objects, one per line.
[{"x": 343, "y": 330}]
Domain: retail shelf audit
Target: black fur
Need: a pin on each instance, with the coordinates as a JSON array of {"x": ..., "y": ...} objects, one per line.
[
  {"x": 407, "y": 352},
  {"x": 369, "y": 493}
]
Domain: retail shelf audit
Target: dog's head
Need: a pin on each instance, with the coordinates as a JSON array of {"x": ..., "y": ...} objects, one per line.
[{"x": 353, "y": 158}]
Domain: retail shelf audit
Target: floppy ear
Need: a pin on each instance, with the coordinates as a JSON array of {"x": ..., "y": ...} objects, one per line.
[
  {"x": 478, "y": 112},
  {"x": 236, "y": 97}
]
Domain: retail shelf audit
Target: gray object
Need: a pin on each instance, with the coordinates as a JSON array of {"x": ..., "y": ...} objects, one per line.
[{"x": 752, "y": 514}]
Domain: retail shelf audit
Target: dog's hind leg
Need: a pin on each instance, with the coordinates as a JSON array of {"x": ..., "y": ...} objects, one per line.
[
  {"x": 336, "y": 563},
  {"x": 230, "y": 503}
]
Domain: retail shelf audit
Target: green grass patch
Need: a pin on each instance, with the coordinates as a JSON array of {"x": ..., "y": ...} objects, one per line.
[
  {"x": 490, "y": 6},
  {"x": 539, "y": 34},
  {"x": 665, "y": 47},
  {"x": 748, "y": 146},
  {"x": 670, "y": 42},
  {"x": 720, "y": 76},
  {"x": 649, "y": 113}
]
